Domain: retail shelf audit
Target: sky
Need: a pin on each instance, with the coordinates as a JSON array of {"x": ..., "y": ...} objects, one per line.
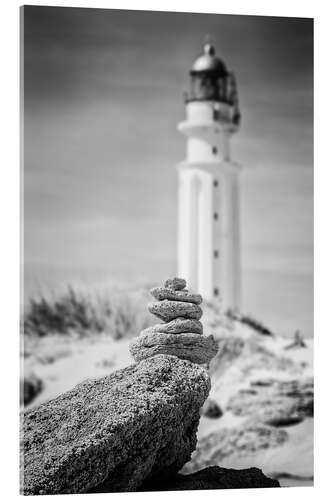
[{"x": 103, "y": 93}]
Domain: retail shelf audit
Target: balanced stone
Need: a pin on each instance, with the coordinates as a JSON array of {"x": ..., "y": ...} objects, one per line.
[
  {"x": 168, "y": 310},
  {"x": 178, "y": 325},
  {"x": 175, "y": 283},
  {"x": 178, "y": 295},
  {"x": 191, "y": 346}
]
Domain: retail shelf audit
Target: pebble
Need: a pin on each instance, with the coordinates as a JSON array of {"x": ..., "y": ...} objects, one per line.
[
  {"x": 178, "y": 325},
  {"x": 177, "y": 295},
  {"x": 175, "y": 283}
]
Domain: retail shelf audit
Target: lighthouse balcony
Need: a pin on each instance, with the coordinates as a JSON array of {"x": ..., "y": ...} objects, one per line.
[{"x": 209, "y": 130}]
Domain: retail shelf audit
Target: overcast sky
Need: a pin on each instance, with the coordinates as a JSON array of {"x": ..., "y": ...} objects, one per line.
[{"x": 103, "y": 94}]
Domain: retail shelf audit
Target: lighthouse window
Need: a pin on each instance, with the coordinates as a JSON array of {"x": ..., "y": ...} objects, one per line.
[
  {"x": 214, "y": 150},
  {"x": 216, "y": 253},
  {"x": 216, "y": 292},
  {"x": 216, "y": 216},
  {"x": 216, "y": 183}
]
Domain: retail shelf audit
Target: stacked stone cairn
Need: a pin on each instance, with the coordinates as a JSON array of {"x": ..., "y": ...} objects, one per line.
[{"x": 181, "y": 333}]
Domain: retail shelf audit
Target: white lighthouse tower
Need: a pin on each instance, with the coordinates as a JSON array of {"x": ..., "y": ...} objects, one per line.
[{"x": 208, "y": 225}]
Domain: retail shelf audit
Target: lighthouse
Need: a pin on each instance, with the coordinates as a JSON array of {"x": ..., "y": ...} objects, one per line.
[{"x": 208, "y": 204}]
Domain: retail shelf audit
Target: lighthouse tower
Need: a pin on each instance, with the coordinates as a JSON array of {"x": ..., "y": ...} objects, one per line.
[{"x": 208, "y": 225}]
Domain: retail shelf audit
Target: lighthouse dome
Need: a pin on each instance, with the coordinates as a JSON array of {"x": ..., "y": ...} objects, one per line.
[{"x": 209, "y": 62}]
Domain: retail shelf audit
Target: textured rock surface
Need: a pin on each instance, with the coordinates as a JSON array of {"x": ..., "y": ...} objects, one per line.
[
  {"x": 175, "y": 283},
  {"x": 214, "y": 478},
  {"x": 178, "y": 325},
  {"x": 169, "y": 310},
  {"x": 191, "y": 346},
  {"x": 179, "y": 295},
  {"x": 136, "y": 423}
]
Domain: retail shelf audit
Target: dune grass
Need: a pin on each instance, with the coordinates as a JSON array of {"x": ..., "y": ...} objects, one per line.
[{"x": 118, "y": 314}]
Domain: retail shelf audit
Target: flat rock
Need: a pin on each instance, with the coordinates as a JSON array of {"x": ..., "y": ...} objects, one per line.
[
  {"x": 161, "y": 293},
  {"x": 168, "y": 310},
  {"x": 213, "y": 478},
  {"x": 175, "y": 283},
  {"x": 178, "y": 325},
  {"x": 112, "y": 433},
  {"x": 190, "y": 346}
]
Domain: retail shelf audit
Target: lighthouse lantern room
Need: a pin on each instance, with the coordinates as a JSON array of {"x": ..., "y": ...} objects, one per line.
[{"x": 208, "y": 225}]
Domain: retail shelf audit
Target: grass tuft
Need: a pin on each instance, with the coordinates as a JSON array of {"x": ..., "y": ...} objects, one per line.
[{"x": 120, "y": 315}]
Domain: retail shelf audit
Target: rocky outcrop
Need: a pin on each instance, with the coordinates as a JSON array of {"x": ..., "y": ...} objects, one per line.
[
  {"x": 244, "y": 441},
  {"x": 277, "y": 403},
  {"x": 181, "y": 334},
  {"x": 113, "y": 433},
  {"x": 214, "y": 478},
  {"x": 138, "y": 423}
]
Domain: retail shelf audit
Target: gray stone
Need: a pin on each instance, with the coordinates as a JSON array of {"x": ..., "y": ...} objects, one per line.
[
  {"x": 31, "y": 386},
  {"x": 178, "y": 325},
  {"x": 213, "y": 478},
  {"x": 175, "y": 283},
  {"x": 168, "y": 310},
  {"x": 211, "y": 409},
  {"x": 161, "y": 293},
  {"x": 136, "y": 423},
  {"x": 191, "y": 346}
]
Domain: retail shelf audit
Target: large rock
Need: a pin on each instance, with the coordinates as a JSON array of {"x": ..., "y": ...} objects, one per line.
[
  {"x": 168, "y": 310},
  {"x": 161, "y": 293},
  {"x": 191, "y": 346},
  {"x": 116, "y": 431},
  {"x": 178, "y": 325},
  {"x": 214, "y": 478}
]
